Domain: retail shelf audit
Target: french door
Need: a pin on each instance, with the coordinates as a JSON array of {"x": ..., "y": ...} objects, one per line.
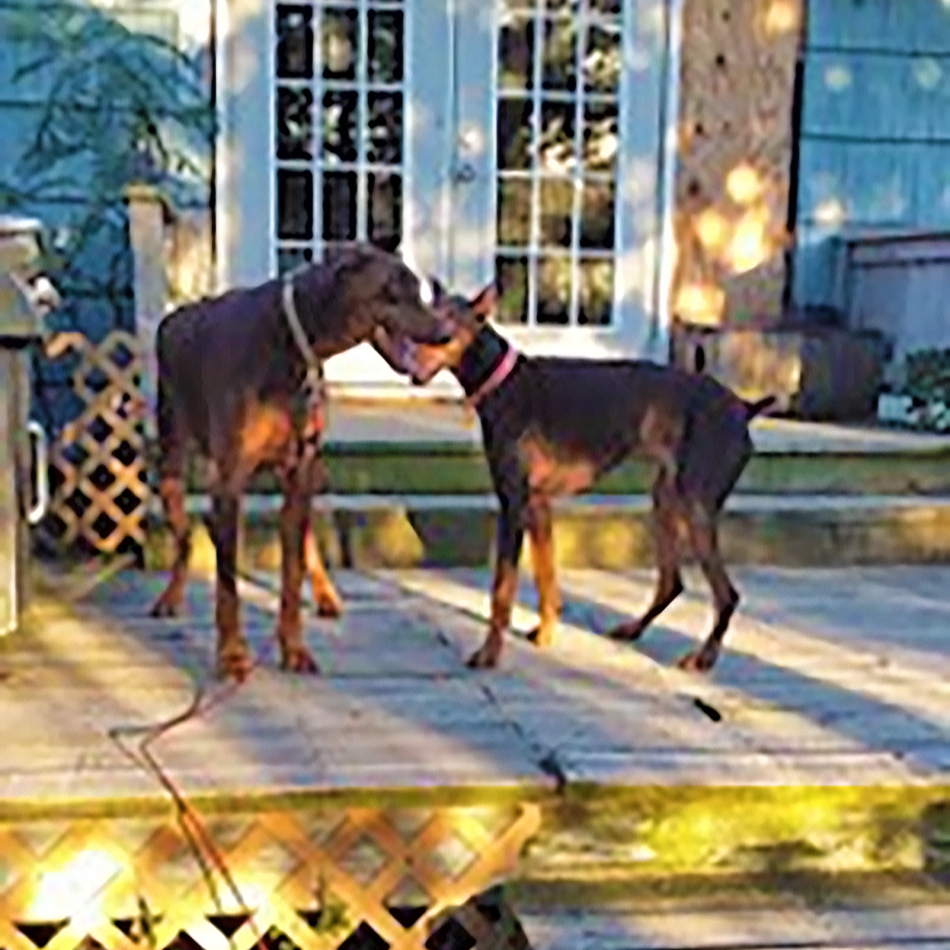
[{"x": 520, "y": 142}]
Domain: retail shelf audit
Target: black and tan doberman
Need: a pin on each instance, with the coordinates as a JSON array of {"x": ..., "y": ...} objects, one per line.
[
  {"x": 552, "y": 426},
  {"x": 239, "y": 376}
]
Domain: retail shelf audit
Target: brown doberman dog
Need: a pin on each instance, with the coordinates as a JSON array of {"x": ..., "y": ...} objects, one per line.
[
  {"x": 552, "y": 426},
  {"x": 239, "y": 375}
]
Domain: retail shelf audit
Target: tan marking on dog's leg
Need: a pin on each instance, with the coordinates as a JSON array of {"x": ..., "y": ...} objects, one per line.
[
  {"x": 541, "y": 535},
  {"x": 172, "y": 492},
  {"x": 327, "y": 601}
]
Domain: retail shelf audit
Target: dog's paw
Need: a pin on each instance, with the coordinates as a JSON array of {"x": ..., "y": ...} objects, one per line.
[
  {"x": 627, "y": 632},
  {"x": 235, "y": 665},
  {"x": 699, "y": 661},
  {"x": 299, "y": 660},
  {"x": 164, "y": 607},
  {"x": 485, "y": 658},
  {"x": 328, "y": 603},
  {"x": 541, "y": 636}
]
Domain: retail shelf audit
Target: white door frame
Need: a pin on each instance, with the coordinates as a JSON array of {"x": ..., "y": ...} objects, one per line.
[{"x": 644, "y": 241}]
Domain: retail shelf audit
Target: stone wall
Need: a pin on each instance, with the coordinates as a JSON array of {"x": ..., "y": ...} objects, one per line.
[{"x": 735, "y": 145}]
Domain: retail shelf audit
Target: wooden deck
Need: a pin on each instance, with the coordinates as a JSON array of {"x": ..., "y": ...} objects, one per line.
[
  {"x": 830, "y": 678},
  {"x": 356, "y": 809}
]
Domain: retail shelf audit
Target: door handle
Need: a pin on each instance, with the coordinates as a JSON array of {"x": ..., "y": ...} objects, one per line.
[
  {"x": 37, "y": 511},
  {"x": 464, "y": 173}
]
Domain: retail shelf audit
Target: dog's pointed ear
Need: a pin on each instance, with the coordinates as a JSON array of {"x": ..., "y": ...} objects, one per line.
[{"x": 484, "y": 303}]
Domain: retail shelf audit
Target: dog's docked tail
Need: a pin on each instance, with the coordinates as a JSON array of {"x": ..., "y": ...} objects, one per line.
[{"x": 752, "y": 409}]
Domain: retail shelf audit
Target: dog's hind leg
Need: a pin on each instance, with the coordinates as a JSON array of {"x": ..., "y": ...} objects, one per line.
[
  {"x": 705, "y": 543},
  {"x": 233, "y": 658},
  {"x": 172, "y": 445},
  {"x": 667, "y": 522},
  {"x": 711, "y": 468}
]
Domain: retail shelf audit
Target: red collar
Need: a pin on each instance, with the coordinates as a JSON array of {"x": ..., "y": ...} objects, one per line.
[{"x": 500, "y": 373}]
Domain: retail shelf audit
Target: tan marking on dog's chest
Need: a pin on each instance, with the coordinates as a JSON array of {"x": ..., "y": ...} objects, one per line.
[
  {"x": 266, "y": 431},
  {"x": 551, "y": 475}
]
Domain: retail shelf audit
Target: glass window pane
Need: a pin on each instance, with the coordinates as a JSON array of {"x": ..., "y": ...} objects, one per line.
[
  {"x": 599, "y": 148},
  {"x": 606, "y": 7},
  {"x": 559, "y": 66},
  {"x": 339, "y": 42},
  {"x": 384, "y": 225},
  {"x": 294, "y": 123},
  {"x": 602, "y": 58},
  {"x": 556, "y": 145},
  {"x": 556, "y": 212},
  {"x": 555, "y": 276},
  {"x": 563, "y": 7},
  {"x": 339, "y": 126},
  {"x": 294, "y": 204},
  {"x": 596, "y": 292},
  {"x": 511, "y": 277},
  {"x": 290, "y": 258},
  {"x": 385, "y": 45},
  {"x": 339, "y": 206},
  {"x": 514, "y": 211},
  {"x": 384, "y": 133},
  {"x": 516, "y": 54},
  {"x": 294, "y": 41},
  {"x": 598, "y": 207},
  {"x": 514, "y": 134}
]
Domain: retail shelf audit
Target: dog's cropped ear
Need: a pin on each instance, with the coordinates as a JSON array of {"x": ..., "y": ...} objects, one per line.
[
  {"x": 484, "y": 303},
  {"x": 432, "y": 290}
]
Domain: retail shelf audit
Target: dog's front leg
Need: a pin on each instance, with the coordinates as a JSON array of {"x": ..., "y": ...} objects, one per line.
[
  {"x": 234, "y": 661},
  {"x": 325, "y": 597},
  {"x": 541, "y": 535},
  {"x": 327, "y": 601},
  {"x": 294, "y": 515},
  {"x": 504, "y": 585}
]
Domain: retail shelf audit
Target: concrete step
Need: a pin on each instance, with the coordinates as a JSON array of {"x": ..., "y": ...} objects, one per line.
[
  {"x": 422, "y": 468},
  {"x": 610, "y": 532},
  {"x": 876, "y": 916}
]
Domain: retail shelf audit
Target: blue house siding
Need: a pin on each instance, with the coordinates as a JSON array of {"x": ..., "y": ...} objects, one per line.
[
  {"x": 97, "y": 284},
  {"x": 875, "y": 133}
]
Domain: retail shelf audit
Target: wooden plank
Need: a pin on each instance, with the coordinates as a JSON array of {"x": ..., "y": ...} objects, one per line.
[{"x": 923, "y": 927}]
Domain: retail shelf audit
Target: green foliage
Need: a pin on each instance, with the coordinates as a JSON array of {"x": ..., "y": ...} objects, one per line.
[
  {"x": 117, "y": 106},
  {"x": 122, "y": 106},
  {"x": 928, "y": 375},
  {"x": 129, "y": 103}
]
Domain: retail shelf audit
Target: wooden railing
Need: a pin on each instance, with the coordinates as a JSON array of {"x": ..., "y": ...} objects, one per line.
[
  {"x": 360, "y": 878},
  {"x": 99, "y": 480}
]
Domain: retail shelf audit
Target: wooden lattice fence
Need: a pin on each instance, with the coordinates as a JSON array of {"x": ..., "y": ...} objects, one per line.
[
  {"x": 360, "y": 878},
  {"x": 98, "y": 465}
]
